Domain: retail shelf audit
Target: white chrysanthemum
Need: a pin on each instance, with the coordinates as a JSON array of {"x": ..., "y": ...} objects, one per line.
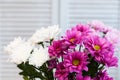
[
  {"x": 44, "y": 34},
  {"x": 39, "y": 56},
  {"x": 19, "y": 50},
  {"x": 40, "y": 35},
  {"x": 17, "y": 41},
  {"x": 53, "y": 31},
  {"x": 21, "y": 53}
]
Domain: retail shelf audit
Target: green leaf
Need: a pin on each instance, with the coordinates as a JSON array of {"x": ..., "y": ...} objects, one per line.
[
  {"x": 30, "y": 71},
  {"x": 25, "y": 78},
  {"x": 48, "y": 73},
  {"x": 92, "y": 68}
]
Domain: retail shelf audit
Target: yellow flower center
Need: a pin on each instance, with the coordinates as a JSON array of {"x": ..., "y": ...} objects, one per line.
[
  {"x": 96, "y": 47},
  {"x": 72, "y": 39},
  {"x": 76, "y": 62}
]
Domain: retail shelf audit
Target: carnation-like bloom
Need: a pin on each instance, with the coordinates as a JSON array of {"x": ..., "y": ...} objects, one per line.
[
  {"x": 19, "y": 50},
  {"x": 39, "y": 56},
  {"x": 102, "y": 76},
  {"x": 76, "y": 62},
  {"x": 80, "y": 77},
  {"x": 61, "y": 72},
  {"x": 45, "y": 34},
  {"x": 55, "y": 50},
  {"x": 98, "y": 46}
]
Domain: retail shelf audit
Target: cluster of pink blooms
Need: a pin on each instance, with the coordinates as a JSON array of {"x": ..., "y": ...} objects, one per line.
[{"x": 83, "y": 53}]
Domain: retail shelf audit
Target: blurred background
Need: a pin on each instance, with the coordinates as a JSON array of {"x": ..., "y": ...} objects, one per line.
[{"x": 23, "y": 17}]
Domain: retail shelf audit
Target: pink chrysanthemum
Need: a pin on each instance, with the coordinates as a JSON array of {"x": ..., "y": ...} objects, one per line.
[
  {"x": 80, "y": 77},
  {"x": 61, "y": 72},
  {"x": 113, "y": 35},
  {"x": 52, "y": 63},
  {"x": 102, "y": 76},
  {"x": 98, "y": 46},
  {"x": 83, "y": 29},
  {"x": 102, "y": 50},
  {"x": 109, "y": 60},
  {"x": 98, "y": 26},
  {"x": 76, "y": 62},
  {"x": 72, "y": 37},
  {"x": 55, "y": 50}
]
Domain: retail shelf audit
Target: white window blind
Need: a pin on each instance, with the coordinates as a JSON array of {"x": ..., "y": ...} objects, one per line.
[
  {"x": 81, "y": 11},
  {"x": 73, "y": 12},
  {"x": 21, "y": 18}
]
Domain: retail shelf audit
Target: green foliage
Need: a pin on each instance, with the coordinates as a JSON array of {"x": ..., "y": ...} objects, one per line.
[
  {"x": 93, "y": 68},
  {"x": 31, "y": 72}
]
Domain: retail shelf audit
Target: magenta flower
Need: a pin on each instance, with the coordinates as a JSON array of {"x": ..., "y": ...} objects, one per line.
[
  {"x": 76, "y": 62},
  {"x": 109, "y": 60},
  {"x": 98, "y": 46},
  {"x": 87, "y": 78},
  {"x": 83, "y": 29},
  {"x": 102, "y": 76},
  {"x": 72, "y": 37},
  {"x": 52, "y": 63},
  {"x": 61, "y": 72},
  {"x": 80, "y": 77},
  {"x": 102, "y": 50},
  {"x": 55, "y": 50}
]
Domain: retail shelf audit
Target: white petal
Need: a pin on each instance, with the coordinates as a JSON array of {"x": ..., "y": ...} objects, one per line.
[{"x": 39, "y": 56}]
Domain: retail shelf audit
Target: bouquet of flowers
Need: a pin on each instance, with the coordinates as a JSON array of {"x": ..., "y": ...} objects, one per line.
[{"x": 83, "y": 53}]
